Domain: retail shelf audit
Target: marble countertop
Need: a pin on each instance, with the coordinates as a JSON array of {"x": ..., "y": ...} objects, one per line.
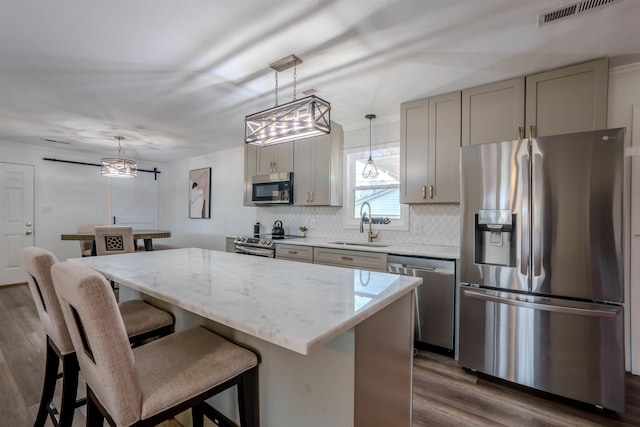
[
  {"x": 295, "y": 305},
  {"x": 434, "y": 251}
]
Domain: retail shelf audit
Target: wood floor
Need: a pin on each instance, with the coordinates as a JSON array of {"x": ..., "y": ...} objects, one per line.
[{"x": 444, "y": 393}]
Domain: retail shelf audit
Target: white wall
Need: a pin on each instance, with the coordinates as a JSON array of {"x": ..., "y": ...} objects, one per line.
[
  {"x": 65, "y": 194},
  {"x": 228, "y": 215}
]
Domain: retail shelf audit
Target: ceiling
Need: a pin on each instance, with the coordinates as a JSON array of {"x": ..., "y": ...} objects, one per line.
[{"x": 177, "y": 77}]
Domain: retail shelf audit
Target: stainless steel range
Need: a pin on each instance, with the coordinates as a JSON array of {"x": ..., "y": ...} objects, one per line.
[{"x": 259, "y": 246}]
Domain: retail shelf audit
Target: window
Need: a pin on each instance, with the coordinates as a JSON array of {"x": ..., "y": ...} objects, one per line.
[{"x": 382, "y": 193}]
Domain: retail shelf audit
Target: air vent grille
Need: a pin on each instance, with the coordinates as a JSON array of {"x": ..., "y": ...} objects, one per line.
[{"x": 572, "y": 9}]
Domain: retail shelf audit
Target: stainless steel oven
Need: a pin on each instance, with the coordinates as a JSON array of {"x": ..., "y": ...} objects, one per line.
[{"x": 256, "y": 246}]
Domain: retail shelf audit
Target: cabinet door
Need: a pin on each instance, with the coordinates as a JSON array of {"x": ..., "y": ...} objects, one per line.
[
  {"x": 303, "y": 171},
  {"x": 414, "y": 151},
  {"x": 318, "y": 169},
  {"x": 250, "y": 169},
  {"x": 493, "y": 112},
  {"x": 275, "y": 158},
  {"x": 571, "y": 99},
  {"x": 444, "y": 149}
]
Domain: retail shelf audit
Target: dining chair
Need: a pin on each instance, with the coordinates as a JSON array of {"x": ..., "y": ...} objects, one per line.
[
  {"x": 142, "y": 322},
  {"x": 86, "y": 246},
  {"x": 114, "y": 239},
  {"x": 152, "y": 383}
]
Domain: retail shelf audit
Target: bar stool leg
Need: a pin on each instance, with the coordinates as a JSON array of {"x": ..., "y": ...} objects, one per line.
[
  {"x": 49, "y": 385},
  {"x": 94, "y": 416},
  {"x": 248, "y": 405},
  {"x": 70, "y": 369}
]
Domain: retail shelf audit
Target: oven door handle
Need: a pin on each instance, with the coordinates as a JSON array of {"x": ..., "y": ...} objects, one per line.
[{"x": 254, "y": 251}]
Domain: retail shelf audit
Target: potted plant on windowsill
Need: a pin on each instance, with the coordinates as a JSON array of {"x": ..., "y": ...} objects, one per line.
[{"x": 303, "y": 230}]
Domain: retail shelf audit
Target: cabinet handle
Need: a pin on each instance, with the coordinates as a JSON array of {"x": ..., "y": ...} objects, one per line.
[
  {"x": 424, "y": 191},
  {"x": 431, "y": 191},
  {"x": 530, "y": 133},
  {"x": 311, "y": 197},
  {"x": 346, "y": 258},
  {"x": 519, "y": 132},
  {"x": 307, "y": 197},
  {"x": 292, "y": 252}
]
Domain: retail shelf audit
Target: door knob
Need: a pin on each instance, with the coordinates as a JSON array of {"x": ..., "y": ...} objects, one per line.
[
  {"x": 28, "y": 224},
  {"x": 29, "y": 233}
]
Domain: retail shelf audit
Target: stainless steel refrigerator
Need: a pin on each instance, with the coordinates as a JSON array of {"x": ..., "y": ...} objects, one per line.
[{"x": 541, "y": 288}]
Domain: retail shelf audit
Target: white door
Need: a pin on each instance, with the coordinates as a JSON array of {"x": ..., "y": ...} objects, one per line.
[
  {"x": 16, "y": 219},
  {"x": 134, "y": 201}
]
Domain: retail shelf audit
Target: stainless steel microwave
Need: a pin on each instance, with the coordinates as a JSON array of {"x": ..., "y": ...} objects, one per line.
[{"x": 274, "y": 188}]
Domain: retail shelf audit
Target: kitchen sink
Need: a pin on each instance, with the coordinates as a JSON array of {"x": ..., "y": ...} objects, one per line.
[{"x": 369, "y": 244}]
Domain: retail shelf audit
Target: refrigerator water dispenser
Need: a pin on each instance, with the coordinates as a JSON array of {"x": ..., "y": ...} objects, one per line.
[{"x": 494, "y": 237}]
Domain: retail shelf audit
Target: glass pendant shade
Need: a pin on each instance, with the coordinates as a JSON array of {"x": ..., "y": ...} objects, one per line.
[
  {"x": 299, "y": 119},
  {"x": 118, "y": 167},
  {"x": 370, "y": 170}
]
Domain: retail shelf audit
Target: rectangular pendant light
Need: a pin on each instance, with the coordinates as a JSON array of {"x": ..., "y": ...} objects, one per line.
[{"x": 299, "y": 119}]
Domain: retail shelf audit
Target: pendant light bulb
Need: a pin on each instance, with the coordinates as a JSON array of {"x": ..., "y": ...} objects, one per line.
[{"x": 370, "y": 170}]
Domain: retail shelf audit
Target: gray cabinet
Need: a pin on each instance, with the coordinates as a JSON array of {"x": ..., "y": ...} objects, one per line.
[
  {"x": 566, "y": 100},
  {"x": 430, "y": 150},
  {"x": 570, "y": 99},
  {"x": 294, "y": 252},
  {"x": 230, "y": 246},
  {"x": 317, "y": 169},
  {"x": 250, "y": 169},
  {"x": 493, "y": 112},
  {"x": 275, "y": 158},
  {"x": 374, "y": 261}
]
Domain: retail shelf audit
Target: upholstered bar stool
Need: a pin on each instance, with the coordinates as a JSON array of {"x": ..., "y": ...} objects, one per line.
[
  {"x": 142, "y": 321},
  {"x": 152, "y": 383}
]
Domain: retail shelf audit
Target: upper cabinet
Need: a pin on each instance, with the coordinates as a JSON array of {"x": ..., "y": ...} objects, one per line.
[
  {"x": 318, "y": 169},
  {"x": 250, "y": 169},
  {"x": 493, "y": 112},
  {"x": 275, "y": 158},
  {"x": 571, "y": 99},
  {"x": 430, "y": 150}
]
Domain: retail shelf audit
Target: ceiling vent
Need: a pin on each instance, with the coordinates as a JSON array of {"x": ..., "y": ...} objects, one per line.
[{"x": 572, "y": 9}]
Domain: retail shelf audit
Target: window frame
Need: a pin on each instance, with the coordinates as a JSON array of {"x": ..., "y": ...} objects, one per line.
[{"x": 349, "y": 222}]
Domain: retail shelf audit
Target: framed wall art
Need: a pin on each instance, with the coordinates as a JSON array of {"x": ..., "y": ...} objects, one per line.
[{"x": 200, "y": 193}]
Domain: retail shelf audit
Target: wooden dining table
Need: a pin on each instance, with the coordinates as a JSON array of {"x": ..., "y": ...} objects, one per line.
[{"x": 146, "y": 235}]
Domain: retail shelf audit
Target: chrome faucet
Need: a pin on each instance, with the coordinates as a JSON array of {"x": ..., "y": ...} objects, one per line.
[{"x": 371, "y": 235}]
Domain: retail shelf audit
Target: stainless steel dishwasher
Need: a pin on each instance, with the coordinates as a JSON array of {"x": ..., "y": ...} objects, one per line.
[{"x": 435, "y": 298}]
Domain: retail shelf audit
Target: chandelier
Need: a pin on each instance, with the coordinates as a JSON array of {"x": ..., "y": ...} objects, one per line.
[
  {"x": 118, "y": 168},
  {"x": 298, "y": 119}
]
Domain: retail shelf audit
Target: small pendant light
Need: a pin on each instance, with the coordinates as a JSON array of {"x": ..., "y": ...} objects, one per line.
[{"x": 370, "y": 170}]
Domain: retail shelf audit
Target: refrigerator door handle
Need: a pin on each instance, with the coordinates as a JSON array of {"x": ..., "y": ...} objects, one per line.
[
  {"x": 537, "y": 214},
  {"x": 542, "y": 306},
  {"x": 525, "y": 217}
]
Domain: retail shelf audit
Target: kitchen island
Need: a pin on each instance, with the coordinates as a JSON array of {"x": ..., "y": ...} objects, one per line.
[{"x": 335, "y": 344}]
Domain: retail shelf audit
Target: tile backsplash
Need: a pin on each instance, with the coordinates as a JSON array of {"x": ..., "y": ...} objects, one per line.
[{"x": 428, "y": 224}]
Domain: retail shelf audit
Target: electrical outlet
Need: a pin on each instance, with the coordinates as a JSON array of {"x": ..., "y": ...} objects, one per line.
[{"x": 312, "y": 223}]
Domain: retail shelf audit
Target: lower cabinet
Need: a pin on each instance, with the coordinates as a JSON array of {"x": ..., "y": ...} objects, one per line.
[
  {"x": 349, "y": 258},
  {"x": 294, "y": 252}
]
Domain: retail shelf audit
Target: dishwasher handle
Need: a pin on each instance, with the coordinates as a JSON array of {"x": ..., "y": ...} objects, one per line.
[{"x": 409, "y": 270}]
